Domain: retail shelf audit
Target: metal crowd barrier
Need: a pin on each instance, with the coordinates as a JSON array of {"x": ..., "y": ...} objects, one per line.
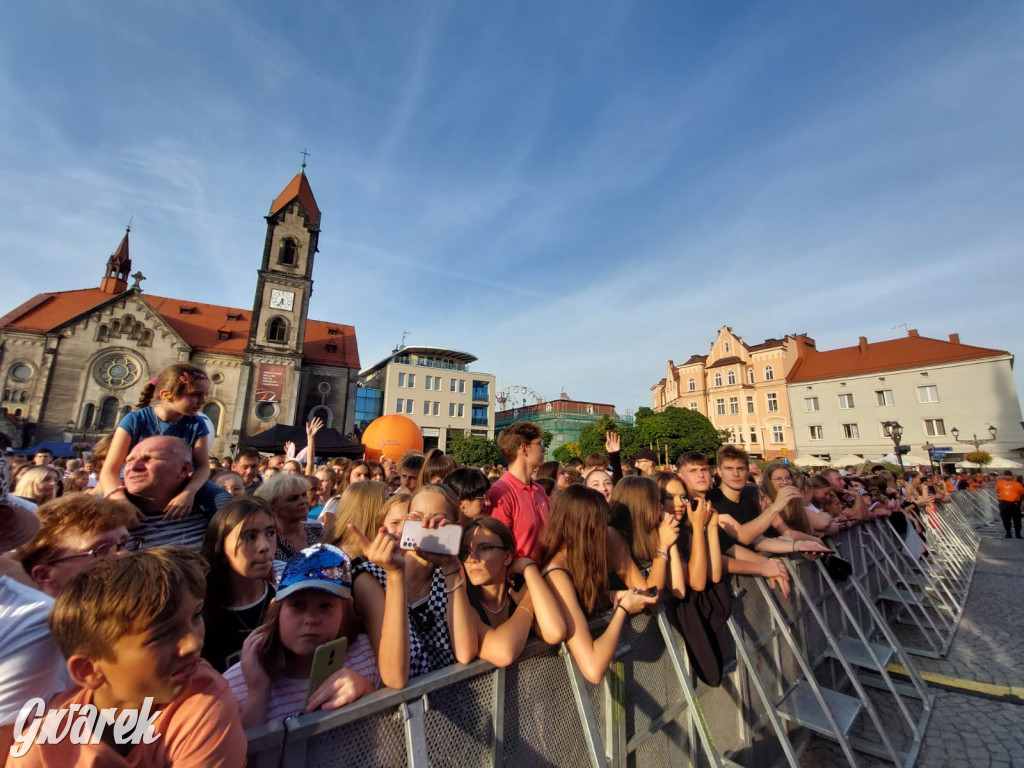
[{"x": 817, "y": 663}]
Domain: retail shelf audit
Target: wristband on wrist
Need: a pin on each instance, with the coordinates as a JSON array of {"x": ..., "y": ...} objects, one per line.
[
  {"x": 620, "y": 605},
  {"x": 663, "y": 553}
]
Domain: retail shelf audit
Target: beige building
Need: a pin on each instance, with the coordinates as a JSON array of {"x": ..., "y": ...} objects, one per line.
[
  {"x": 741, "y": 388},
  {"x": 841, "y": 398},
  {"x": 435, "y": 388}
]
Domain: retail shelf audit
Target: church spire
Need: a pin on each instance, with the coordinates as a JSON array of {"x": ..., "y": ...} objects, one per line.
[{"x": 119, "y": 266}]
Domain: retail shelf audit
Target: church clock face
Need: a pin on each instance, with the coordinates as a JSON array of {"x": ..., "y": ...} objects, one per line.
[{"x": 282, "y": 300}]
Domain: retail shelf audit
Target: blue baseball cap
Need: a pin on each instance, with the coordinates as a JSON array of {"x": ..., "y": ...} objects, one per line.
[{"x": 318, "y": 567}]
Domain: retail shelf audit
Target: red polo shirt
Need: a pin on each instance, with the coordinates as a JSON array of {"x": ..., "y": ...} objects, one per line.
[{"x": 523, "y": 508}]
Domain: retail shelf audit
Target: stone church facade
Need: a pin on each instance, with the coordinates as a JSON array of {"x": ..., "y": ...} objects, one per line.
[{"x": 74, "y": 362}]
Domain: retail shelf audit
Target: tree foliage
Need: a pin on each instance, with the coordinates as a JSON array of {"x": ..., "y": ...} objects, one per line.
[
  {"x": 566, "y": 451},
  {"x": 981, "y": 458},
  {"x": 674, "y": 430},
  {"x": 473, "y": 450}
]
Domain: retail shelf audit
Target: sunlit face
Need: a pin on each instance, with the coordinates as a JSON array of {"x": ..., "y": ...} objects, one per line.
[
  {"x": 192, "y": 398},
  {"x": 155, "y": 467},
  {"x": 395, "y": 518},
  {"x": 309, "y": 618},
  {"x": 644, "y": 465},
  {"x": 75, "y": 558},
  {"x": 780, "y": 478},
  {"x": 837, "y": 482},
  {"x": 80, "y": 484},
  {"x": 232, "y": 484},
  {"x": 473, "y": 508},
  {"x": 562, "y": 478},
  {"x": 294, "y": 506},
  {"x": 249, "y": 546},
  {"x": 249, "y": 468},
  {"x": 275, "y": 462},
  {"x": 325, "y": 484},
  {"x": 676, "y": 504},
  {"x": 159, "y": 661},
  {"x": 600, "y": 481},
  {"x": 389, "y": 468},
  {"x": 428, "y": 505},
  {"x": 42, "y": 458},
  {"x": 47, "y": 487},
  {"x": 409, "y": 480},
  {"x": 486, "y": 558},
  {"x": 377, "y": 473},
  {"x": 733, "y": 473},
  {"x": 359, "y": 473},
  {"x": 696, "y": 478}
]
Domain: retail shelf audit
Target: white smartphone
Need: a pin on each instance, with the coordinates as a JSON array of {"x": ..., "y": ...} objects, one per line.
[{"x": 445, "y": 540}]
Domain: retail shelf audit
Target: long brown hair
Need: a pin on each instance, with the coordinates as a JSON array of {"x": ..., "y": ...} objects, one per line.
[
  {"x": 636, "y": 514},
  {"x": 224, "y": 521},
  {"x": 794, "y": 513},
  {"x": 578, "y": 528}
]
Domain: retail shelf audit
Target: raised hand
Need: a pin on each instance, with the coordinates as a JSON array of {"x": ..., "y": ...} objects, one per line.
[
  {"x": 314, "y": 425},
  {"x": 612, "y": 442},
  {"x": 383, "y": 550}
]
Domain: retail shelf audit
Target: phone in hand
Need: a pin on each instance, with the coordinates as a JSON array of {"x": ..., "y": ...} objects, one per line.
[
  {"x": 328, "y": 659},
  {"x": 694, "y": 503},
  {"x": 445, "y": 540},
  {"x": 649, "y": 592}
]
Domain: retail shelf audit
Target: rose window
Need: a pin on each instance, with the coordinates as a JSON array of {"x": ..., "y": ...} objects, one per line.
[{"x": 119, "y": 371}]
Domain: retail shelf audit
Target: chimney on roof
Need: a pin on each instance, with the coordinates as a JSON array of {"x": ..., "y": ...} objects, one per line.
[
  {"x": 863, "y": 344},
  {"x": 119, "y": 266},
  {"x": 912, "y": 333},
  {"x": 954, "y": 338}
]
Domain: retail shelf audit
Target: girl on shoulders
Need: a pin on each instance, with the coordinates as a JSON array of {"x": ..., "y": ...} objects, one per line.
[{"x": 181, "y": 390}]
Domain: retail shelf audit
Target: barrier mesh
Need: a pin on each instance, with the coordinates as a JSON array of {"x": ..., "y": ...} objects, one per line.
[
  {"x": 459, "y": 723},
  {"x": 377, "y": 740}
]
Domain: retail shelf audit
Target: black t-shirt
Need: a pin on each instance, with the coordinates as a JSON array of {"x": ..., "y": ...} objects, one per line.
[
  {"x": 227, "y": 629},
  {"x": 743, "y": 511}
]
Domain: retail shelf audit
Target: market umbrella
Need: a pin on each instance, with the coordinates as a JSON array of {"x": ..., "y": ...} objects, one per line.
[
  {"x": 808, "y": 461},
  {"x": 849, "y": 460},
  {"x": 909, "y": 460},
  {"x": 329, "y": 441},
  {"x": 59, "y": 450},
  {"x": 996, "y": 463}
]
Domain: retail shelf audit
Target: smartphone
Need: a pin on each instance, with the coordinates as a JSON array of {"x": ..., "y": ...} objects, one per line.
[
  {"x": 445, "y": 540},
  {"x": 328, "y": 659},
  {"x": 694, "y": 503},
  {"x": 649, "y": 592}
]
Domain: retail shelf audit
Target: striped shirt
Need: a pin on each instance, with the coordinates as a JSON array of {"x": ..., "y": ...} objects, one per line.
[
  {"x": 187, "y": 531},
  {"x": 288, "y": 694}
]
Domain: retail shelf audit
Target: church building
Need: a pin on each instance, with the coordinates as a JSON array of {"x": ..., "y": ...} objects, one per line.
[{"x": 74, "y": 362}]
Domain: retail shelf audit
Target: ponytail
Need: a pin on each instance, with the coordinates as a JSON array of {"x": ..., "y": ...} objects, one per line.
[{"x": 147, "y": 395}]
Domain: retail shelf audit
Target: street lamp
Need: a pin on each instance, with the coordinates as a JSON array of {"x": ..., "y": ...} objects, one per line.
[
  {"x": 975, "y": 441},
  {"x": 895, "y": 430}
]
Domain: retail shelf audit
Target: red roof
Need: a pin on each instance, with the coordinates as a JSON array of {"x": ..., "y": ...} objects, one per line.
[
  {"x": 911, "y": 351},
  {"x": 201, "y": 327},
  {"x": 298, "y": 188}
]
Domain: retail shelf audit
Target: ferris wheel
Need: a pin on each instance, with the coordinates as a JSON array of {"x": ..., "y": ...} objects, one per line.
[{"x": 516, "y": 396}]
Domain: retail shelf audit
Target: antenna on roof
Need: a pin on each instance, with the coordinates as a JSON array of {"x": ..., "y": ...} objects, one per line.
[
  {"x": 130, "y": 220},
  {"x": 901, "y": 325},
  {"x": 404, "y": 334},
  {"x": 305, "y": 154}
]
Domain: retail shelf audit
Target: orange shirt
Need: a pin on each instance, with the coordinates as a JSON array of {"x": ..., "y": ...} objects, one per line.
[
  {"x": 199, "y": 729},
  {"x": 1009, "y": 490}
]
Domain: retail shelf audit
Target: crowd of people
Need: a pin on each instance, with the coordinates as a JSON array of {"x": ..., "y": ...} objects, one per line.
[{"x": 153, "y": 572}]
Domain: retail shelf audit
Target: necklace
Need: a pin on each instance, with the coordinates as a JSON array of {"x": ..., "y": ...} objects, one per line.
[{"x": 499, "y": 609}]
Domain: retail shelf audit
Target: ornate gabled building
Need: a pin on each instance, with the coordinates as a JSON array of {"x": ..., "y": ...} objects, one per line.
[
  {"x": 73, "y": 362},
  {"x": 741, "y": 388}
]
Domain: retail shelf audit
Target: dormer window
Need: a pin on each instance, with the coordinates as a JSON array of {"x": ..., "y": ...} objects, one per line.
[
  {"x": 223, "y": 335},
  {"x": 332, "y": 348},
  {"x": 187, "y": 310},
  {"x": 234, "y": 318},
  {"x": 334, "y": 331},
  {"x": 288, "y": 255}
]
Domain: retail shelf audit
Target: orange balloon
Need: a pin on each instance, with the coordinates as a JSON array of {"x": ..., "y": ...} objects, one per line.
[{"x": 391, "y": 436}]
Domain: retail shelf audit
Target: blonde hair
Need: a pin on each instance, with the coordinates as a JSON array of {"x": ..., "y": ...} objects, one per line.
[
  {"x": 28, "y": 483},
  {"x": 122, "y": 595},
  {"x": 281, "y": 485},
  {"x": 451, "y": 501},
  {"x": 361, "y": 505}
]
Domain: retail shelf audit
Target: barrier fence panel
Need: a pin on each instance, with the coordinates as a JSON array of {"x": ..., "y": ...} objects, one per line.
[{"x": 649, "y": 711}]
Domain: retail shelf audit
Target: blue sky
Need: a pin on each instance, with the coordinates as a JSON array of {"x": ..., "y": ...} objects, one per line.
[{"x": 573, "y": 192}]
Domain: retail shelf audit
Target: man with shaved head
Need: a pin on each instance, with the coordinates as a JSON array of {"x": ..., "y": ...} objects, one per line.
[{"x": 155, "y": 472}]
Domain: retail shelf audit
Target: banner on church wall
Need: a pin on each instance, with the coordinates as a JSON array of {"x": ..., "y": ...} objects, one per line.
[{"x": 270, "y": 383}]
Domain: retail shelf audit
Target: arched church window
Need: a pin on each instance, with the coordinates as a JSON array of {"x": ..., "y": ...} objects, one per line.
[
  {"x": 7, "y": 394},
  {"x": 124, "y": 412},
  {"x": 102, "y": 333},
  {"x": 88, "y": 415},
  {"x": 289, "y": 252},
  {"x": 117, "y": 371},
  {"x": 115, "y": 328},
  {"x": 108, "y": 413},
  {"x": 147, "y": 339},
  {"x": 24, "y": 396},
  {"x": 324, "y": 413},
  {"x": 277, "y": 330},
  {"x": 212, "y": 412}
]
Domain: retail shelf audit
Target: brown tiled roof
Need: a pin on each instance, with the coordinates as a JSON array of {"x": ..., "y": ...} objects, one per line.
[
  {"x": 766, "y": 344},
  {"x": 725, "y": 361},
  {"x": 911, "y": 351},
  {"x": 298, "y": 187},
  {"x": 696, "y": 359},
  {"x": 200, "y": 327}
]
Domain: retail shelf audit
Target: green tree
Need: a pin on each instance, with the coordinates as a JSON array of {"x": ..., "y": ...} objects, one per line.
[
  {"x": 565, "y": 452},
  {"x": 473, "y": 450},
  {"x": 678, "y": 429},
  {"x": 546, "y": 438},
  {"x": 981, "y": 458}
]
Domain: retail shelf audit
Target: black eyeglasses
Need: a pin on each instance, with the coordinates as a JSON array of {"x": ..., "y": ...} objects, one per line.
[
  {"x": 480, "y": 551},
  {"x": 128, "y": 545}
]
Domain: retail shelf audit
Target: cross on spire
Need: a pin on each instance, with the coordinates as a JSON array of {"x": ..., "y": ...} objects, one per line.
[
  {"x": 304, "y": 154},
  {"x": 138, "y": 277}
]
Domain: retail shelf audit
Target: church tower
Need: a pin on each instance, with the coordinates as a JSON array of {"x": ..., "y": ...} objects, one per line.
[
  {"x": 119, "y": 265},
  {"x": 269, "y": 392}
]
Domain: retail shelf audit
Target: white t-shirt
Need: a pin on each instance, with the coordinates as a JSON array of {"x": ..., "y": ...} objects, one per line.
[{"x": 31, "y": 664}]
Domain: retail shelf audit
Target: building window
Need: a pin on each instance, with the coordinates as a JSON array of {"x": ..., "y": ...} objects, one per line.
[
  {"x": 88, "y": 415},
  {"x": 399, "y": 405},
  {"x": 427, "y": 382},
  {"x": 451, "y": 407},
  {"x": 750, "y": 403},
  {"x": 750, "y": 375},
  {"x": 772, "y": 401},
  {"x": 929, "y": 394},
  {"x": 481, "y": 391},
  {"x": 728, "y": 347},
  {"x": 753, "y": 434},
  {"x": 693, "y": 405},
  {"x": 934, "y": 427},
  {"x": 288, "y": 253},
  {"x": 409, "y": 405},
  {"x": 277, "y": 330},
  {"x": 108, "y": 414},
  {"x": 846, "y": 401},
  {"x": 102, "y": 333},
  {"x": 212, "y": 412},
  {"x": 720, "y": 406},
  {"x": 479, "y": 418},
  {"x": 462, "y": 413},
  {"x": 816, "y": 432},
  {"x": 731, "y": 377},
  {"x": 118, "y": 371},
  {"x": 691, "y": 385},
  {"x": 401, "y": 379},
  {"x": 811, "y": 404},
  {"x": 718, "y": 379},
  {"x": 777, "y": 434},
  {"x": 884, "y": 397},
  {"x": 437, "y": 407},
  {"x": 850, "y": 432},
  {"x": 734, "y": 406},
  {"x": 462, "y": 386},
  {"x": 426, "y": 407},
  {"x": 769, "y": 374},
  {"x": 453, "y": 384},
  {"x": 21, "y": 372},
  {"x": 412, "y": 380}
]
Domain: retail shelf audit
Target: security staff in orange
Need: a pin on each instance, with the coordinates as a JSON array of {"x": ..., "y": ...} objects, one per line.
[{"x": 1010, "y": 492}]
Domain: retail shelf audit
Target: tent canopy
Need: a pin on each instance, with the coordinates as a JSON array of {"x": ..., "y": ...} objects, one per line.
[
  {"x": 58, "y": 449},
  {"x": 909, "y": 460},
  {"x": 329, "y": 441},
  {"x": 849, "y": 460},
  {"x": 808, "y": 461},
  {"x": 996, "y": 463}
]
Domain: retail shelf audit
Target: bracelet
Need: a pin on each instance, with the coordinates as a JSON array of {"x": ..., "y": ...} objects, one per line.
[
  {"x": 620, "y": 605},
  {"x": 116, "y": 490},
  {"x": 794, "y": 545},
  {"x": 446, "y": 575},
  {"x": 663, "y": 553},
  {"x": 449, "y": 591}
]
